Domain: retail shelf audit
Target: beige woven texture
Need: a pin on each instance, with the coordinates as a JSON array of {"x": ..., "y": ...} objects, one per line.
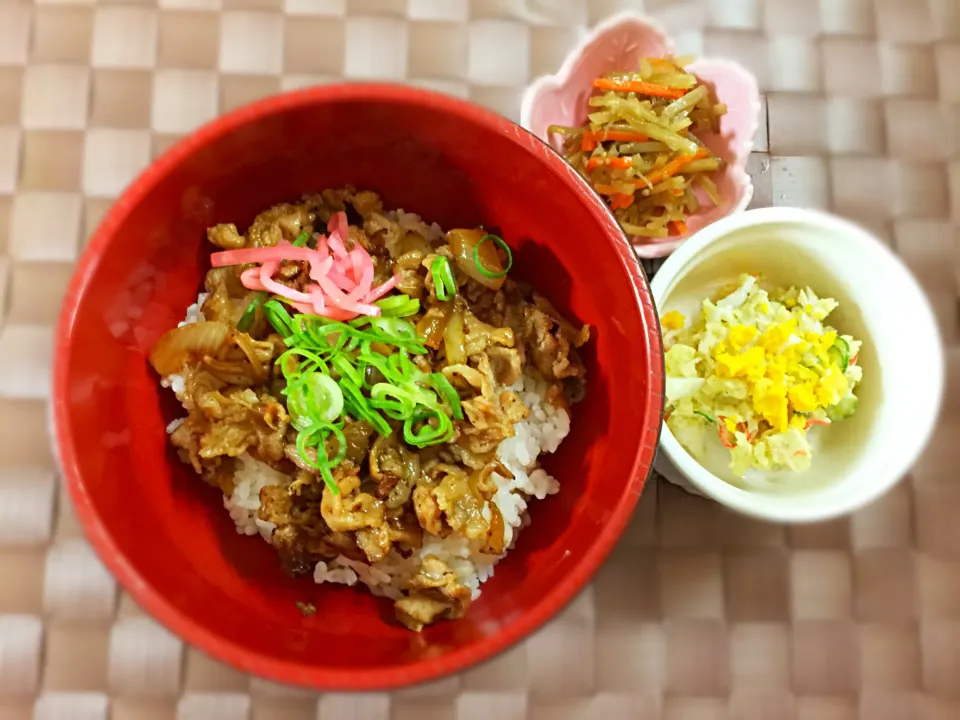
[{"x": 698, "y": 615}]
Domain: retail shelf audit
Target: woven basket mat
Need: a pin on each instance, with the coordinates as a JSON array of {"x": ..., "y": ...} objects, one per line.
[{"x": 698, "y": 615}]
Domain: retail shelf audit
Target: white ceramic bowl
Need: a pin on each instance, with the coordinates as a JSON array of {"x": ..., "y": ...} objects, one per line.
[{"x": 880, "y": 302}]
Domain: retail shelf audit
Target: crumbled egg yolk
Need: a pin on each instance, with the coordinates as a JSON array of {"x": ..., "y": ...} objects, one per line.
[
  {"x": 779, "y": 385},
  {"x": 740, "y": 335},
  {"x": 833, "y": 386},
  {"x": 776, "y": 336},
  {"x": 750, "y": 363},
  {"x": 672, "y": 320},
  {"x": 803, "y": 398},
  {"x": 770, "y": 400}
]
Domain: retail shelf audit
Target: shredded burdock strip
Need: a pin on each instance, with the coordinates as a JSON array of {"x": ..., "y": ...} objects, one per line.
[{"x": 640, "y": 148}]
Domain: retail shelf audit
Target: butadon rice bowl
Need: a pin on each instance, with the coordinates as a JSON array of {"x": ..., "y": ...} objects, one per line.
[{"x": 372, "y": 400}]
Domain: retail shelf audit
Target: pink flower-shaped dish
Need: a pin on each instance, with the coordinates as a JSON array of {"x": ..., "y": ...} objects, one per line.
[{"x": 617, "y": 44}]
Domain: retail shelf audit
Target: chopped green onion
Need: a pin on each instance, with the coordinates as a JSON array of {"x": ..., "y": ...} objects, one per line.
[
  {"x": 303, "y": 439},
  {"x": 314, "y": 331},
  {"x": 400, "y": 407},
  {"x": 403, "y": 369},
  {"x": 300, "y": 421},
  {"x": 428, "y": 434},
  {"x": 278, "y": 316},
  {"x": 316, "y": 437},
  {"x": 375, "y": 360},
  {"x": 295, "y": 372},
  {"x": 337, "y": 432},
  {"x": 318, "y": 400},
  {"x": 346, "y": 369},
  {"x": 359, "y": 407},
  {"x": 302, "y": 239},
  {"x": 298, "y": 414},
  {"x": 326, "y": 371},
  {"x": 476, "y": 257},
  {"x": 398, "y": 306},
  {"x": 246, "y": 320},
  {"x": 310, "y": 356},
  {"x": 393, "y": 328},
  {"x": 449, "y": 394},
  {"x": 444, "y": 281},
  {"x": 394, "y": 331}
]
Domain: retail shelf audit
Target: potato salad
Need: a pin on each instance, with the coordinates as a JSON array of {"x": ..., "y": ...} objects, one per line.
[{"x": 757, "y": 371}]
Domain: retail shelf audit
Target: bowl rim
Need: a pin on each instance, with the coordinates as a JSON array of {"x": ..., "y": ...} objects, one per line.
[
  {"x": 228, "y": 650},
  {"x": 756, "y": 504}
]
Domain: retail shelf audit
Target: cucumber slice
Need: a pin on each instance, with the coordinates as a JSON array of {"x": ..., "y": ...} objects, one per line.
[
  {"x": 843, "y": 409},
  {"x": 839, "y": 352}
]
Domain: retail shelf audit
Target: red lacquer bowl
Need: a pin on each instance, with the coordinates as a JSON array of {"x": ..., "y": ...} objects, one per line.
[{"x": 166, "y": 536}]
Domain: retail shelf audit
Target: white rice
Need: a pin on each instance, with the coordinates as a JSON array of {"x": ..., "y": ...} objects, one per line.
[
  {"x": 175, "y": 424},
  {"x": 176, "y": 382},
  {"x": 541, "y": 432},
  {"x": 411, "y": 222},
  {"x": 243, "y": 504}
]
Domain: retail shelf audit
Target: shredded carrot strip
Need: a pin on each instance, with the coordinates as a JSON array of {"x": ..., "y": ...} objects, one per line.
[
  {"x": 674, "y": 166},
  {"x": 622, "y": 136},
  {"x": 621, "y": 163},
  {"x": 606, "y": 189},
  {"x": 591, "y": 137},
  {"x": 679, "y": 227},
  {"x": 725, "y": 437},
  {"x": 621, "y": 200},
  {"x": 638, "y": 86}
]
